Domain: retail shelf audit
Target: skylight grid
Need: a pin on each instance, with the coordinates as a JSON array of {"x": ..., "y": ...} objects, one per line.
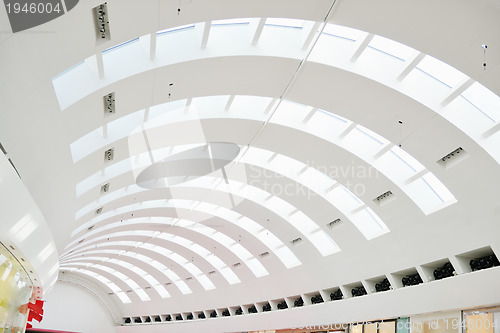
[
  {"x": 325, "y": 243},
  {"x": 407, "y": 159},
  {"x": 256, "y": 267},
  {"x": 344, "y": 32},
  {"x": 392, "y": 48},
  {"x": 369, "y": 223},
  {"x": 424, "y": 195},
  {"x": 287, "y": 257},
  {"x": 484, "y": 100},
  {"x": 120, "y": 45},
  {"x": 438, "y": 187},
  {"x": 114, "y": 288},
  {"x": 175, "y": 29},
  {"x": 285, "y": 22},
  {"x": 231, "y": 21},
  {"x": 441, "y": 71}
]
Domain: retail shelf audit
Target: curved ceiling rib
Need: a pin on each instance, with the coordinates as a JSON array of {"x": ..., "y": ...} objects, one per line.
[
  {"x": 118, "y": 276},
  {"x": 187, "y": 226},
  {"x": 406, "y": 172},
  {"x": 103, "y": 280},
  {"x": 210, "y": 210},
  {"x": 141, "y": 254},
  {"x": 152, "y": 245},
  {"x": 433, "y": 83}
]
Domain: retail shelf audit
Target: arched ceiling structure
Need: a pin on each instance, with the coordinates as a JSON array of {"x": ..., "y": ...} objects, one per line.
[{"x": 257, "y": 150}]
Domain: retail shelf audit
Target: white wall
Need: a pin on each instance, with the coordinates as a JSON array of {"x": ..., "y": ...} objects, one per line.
[{"x": 72, "y": 308}]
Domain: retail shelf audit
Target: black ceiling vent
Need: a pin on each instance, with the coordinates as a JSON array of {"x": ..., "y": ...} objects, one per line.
[
  {"x": 101, "y": 20},
  {"x": 109, "y": 155},
  {"x": 336, "y": 295},
  {"x": 201, "y": 316},
  {"x": 447, "y": 270},
  {"x": 264, "y": 254},
  {"x": 266, "y": 307},
  {"x": 296, "y": 241},
  {"x": 98, "y": 211},
  {"x": 252, "y": 309},
  {"x": 383, "y": 198},
  {"x": 282, "y": 305},
  {"x": 452, "y": 158},
  {"x": 238, "y": 264},
  {"x": 383, "y": 285},
  {"x": 358, "y": 291},
  {"x": 484, "y": 262},
  {"x": 190, "y": 316},
  {"x": 316, "y": 299},
  {"x": 298, "y": 302},
  {"x": 334, "y": 223},
  {"x": 109, "y": 103},
  {"x": 105, "y": 188},
  {"x": 411, "y": 280}
]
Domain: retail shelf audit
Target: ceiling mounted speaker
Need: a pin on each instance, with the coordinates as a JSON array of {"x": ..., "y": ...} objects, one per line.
[{"x": 188, "y": 165}]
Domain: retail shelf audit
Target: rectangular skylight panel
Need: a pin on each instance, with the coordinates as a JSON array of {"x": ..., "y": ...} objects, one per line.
[
  {"x": 123, "y": 297},
  {"x": 209, "y": 106},
  {"x": 441, "y": 71},
  {"x": 424, "y": 196},
  {"x": 484, "y": 99},
  {"x": 302, "y": 223},
  {"x": 229, "y": 275},
  {"x": 393, "y": 48},
  {"x": 231, "y": 21},
  {"x": 250, "y": 105},
  {"x": 86, "y": 144},
  {"x": 323, "y": 242},
  {"x": 286, "y": 166},
  {"x": 183, "y": 287},
  {"x": 369, "y": 224},
  {"x": 165, "y": 108},
  {"x": 205, "y": 282},
  {"x": 142, "y": 295},
  {"x": 343, "y": 200},
  {"x": 223, "y": 239},
  {"x": 361, "y": 143},
  {"x": 161, "y": 291},
  {"x": 256, "y": 155},
  {"x": 279, "y": 206},
  {"x": 287, "y": 257},
  {"x": 269, "y": 239},
  {"x": 290, "y": 113},
  {"x": 123, "y": 126},
  {"x": 326, "y": 125},
  {"x": 408, "y": 159},
  {"x": 285, "y": 22},
  {"x": 199, "y": 249},
  {"x": 345, "y": 32},
  {"x": 127, "y": 43},
  {"x": 318, "y": 177},
  {"x": 256, "y": 267},
  {"x": 192, "y": 268},
  {"x": 440, "y": 189},
  {"x": 372, "y": 135},
  {"x": 240, "y": 252},
  {"x": 249, "y": 225},
  {"x": 174, "y": 29}
]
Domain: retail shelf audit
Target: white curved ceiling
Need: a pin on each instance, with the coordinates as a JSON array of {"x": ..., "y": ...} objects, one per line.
[{"x": 332, "y": 105}]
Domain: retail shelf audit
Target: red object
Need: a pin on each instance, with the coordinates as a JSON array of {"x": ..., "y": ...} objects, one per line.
[
  {"x": 37, "y": 307},
  {"x": 39, "y": 330},
  {"x": 28, "y": 325},
  {"x": 33, "y": 315}
]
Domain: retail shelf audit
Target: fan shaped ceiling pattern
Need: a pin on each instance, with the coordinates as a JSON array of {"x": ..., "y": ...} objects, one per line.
[{"x": 203, "y": 188}]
